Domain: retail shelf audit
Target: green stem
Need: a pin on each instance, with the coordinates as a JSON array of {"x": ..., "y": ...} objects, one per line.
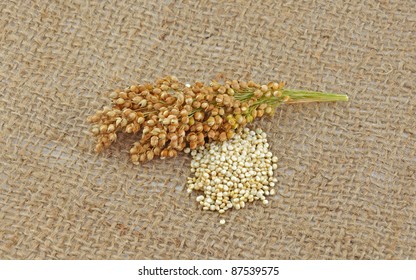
[{"x": 302, "y": 96}]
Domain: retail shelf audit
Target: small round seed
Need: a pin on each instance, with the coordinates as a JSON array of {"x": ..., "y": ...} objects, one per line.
[{"x": 234, "y": 172}]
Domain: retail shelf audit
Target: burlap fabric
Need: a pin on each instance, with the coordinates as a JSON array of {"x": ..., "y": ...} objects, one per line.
[{"x": 346, "y": 176}]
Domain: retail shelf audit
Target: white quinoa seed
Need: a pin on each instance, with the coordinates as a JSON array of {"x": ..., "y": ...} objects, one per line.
[{"x": 233, "y": 173}]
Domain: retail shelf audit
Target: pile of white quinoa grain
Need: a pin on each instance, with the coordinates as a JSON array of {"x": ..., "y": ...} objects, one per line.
[{"x": 233, "y": 173}]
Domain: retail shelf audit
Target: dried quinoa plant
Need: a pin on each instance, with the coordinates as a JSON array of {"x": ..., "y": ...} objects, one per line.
[{"x": 172, "y": 116}]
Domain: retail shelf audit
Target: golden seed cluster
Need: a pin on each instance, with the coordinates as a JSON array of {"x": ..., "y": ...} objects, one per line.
[
  {"x": 172, "y": 116},
  {"x": 234, "y": 172}
]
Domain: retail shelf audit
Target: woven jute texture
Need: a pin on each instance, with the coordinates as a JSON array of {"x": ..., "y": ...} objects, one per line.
[{"x": 346, "y": 177}]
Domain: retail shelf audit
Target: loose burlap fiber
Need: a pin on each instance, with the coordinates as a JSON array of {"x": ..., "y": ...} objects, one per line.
[{"x": 346, "y": 176}]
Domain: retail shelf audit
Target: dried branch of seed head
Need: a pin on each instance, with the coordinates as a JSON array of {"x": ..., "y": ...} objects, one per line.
[{"x": 173, "y": 116}]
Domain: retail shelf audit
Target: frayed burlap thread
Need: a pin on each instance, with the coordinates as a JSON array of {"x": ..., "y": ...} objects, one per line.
[{"x": 347, "y": 171}]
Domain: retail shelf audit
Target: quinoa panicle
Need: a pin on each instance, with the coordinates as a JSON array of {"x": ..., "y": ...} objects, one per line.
[{"x": 173, "y": 116}]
